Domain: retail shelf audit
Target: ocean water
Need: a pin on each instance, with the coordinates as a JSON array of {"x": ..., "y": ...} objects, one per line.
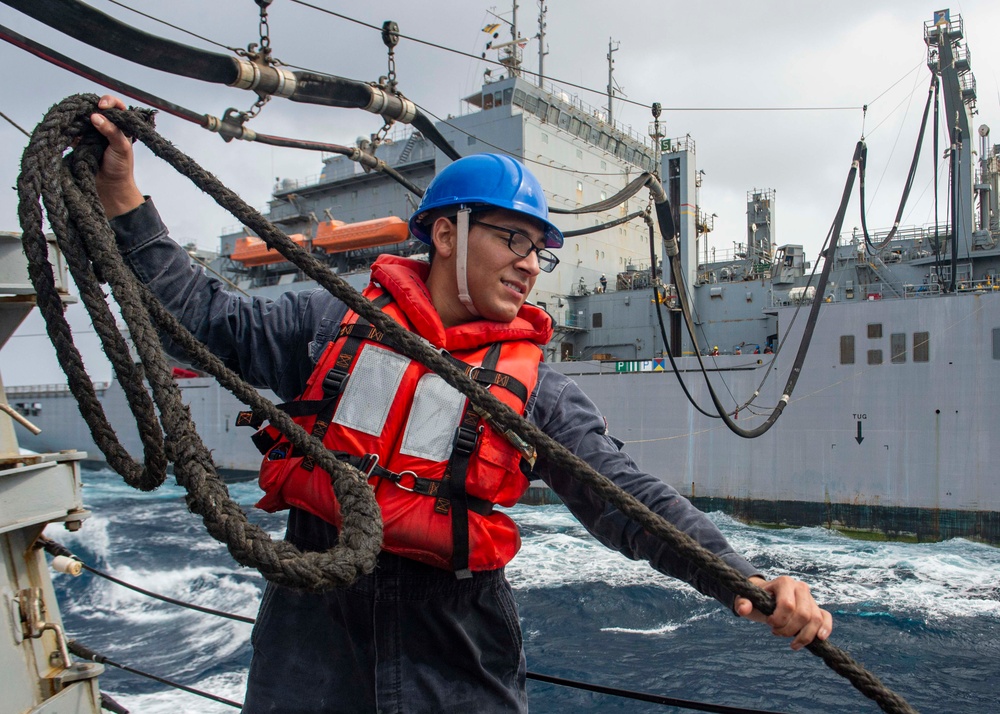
[{"x": 925, "y": 618}]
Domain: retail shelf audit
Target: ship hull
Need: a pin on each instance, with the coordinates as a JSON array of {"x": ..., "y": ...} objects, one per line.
[
  {"x": 901, "y": 448},
  {"x": 904, "y": 449}
]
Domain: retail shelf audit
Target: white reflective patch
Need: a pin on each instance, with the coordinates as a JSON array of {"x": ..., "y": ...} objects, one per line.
[
  {"x": 436, "y": 413},
  {"x": 371, "y": 390}
]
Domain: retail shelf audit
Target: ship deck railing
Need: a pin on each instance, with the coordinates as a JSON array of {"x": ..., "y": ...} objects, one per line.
[
  {"x": 922, "y": 290},
  {"x": 47, "y": 390}
]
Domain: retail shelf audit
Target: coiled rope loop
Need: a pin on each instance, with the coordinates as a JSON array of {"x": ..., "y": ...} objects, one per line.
[
  {"x": 70, "y": 118},
  {"x": 67, "y": 188}
]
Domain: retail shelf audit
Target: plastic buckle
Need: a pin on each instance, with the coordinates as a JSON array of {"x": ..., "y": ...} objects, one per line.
[
  {"x": 465, "y": 440},
  {"x": 333, "y": 382}
]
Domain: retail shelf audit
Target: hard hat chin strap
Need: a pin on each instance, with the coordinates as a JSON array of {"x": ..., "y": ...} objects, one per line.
[{"x": 462, "y": 260}]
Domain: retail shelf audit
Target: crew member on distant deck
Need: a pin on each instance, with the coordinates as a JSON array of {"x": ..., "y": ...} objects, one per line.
[
  {"x": 435, "y": 626},
  {"x": 604, "y": 283},
  {"x": 715, "y": 351}
]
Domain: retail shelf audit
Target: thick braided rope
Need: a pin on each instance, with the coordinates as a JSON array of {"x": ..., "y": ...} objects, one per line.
[
  {"x": 77, "y": 215},
  {"x": 36, "y": 171},
  {"x": 499, "y": 414}
]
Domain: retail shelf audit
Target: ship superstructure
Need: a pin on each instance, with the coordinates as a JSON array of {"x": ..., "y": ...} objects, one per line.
[{"x": 576, "y": 154}]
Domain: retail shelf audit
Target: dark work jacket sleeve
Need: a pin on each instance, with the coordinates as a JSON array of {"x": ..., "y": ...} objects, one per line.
[
  {"x": 270, "y": 343},
  {"x": 561, "y": 409}
]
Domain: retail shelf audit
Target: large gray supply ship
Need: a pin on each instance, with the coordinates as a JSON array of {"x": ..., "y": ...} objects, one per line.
[{"x": 888, "y": 428}]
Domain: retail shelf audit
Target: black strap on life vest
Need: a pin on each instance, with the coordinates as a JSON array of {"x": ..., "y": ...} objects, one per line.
[
  {"x": 334, "y": 381},
  {"x": 489, "y": 377},
  {"x": 336, "y": 378},
  {"x": 466, "y": 439},
  {"x": 409, "y": 481}
]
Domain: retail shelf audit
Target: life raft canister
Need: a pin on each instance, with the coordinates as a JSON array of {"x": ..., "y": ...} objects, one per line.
[{"x": 436, "y": 467}]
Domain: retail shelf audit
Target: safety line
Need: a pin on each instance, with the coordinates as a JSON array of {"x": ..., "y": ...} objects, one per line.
[
  {"x": 54, "y": 548},
  {"x": 86, "y": 653}
]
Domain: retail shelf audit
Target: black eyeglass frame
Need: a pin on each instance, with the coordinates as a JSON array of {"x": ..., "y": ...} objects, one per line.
[{"x": 547, "y": 260}]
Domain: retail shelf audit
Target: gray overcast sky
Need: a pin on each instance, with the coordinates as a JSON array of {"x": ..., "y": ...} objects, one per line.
[
  {"x": 703, "y": 54},
  {"x": 767, "y": 53}
]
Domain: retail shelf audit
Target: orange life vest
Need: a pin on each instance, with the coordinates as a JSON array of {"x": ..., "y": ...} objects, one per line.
[{"x": 437, "y": 468}]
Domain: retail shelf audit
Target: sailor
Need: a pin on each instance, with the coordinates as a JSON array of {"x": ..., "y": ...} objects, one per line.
[
  {"x": 715, "y": 351},
  {"x": 435, "y": 626},
  {"x": 604, "y": 283}
]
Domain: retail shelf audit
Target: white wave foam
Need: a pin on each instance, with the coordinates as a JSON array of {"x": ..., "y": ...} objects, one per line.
[
  {"x": 94, "y": 535},
  {"x": 204, "y": 586},
  {"x": 930, "y": 581},
  {"x": 660, "y": 630}
]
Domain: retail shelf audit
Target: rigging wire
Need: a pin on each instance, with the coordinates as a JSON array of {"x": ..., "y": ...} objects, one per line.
[
  {"x": 175, "y": 27},
  {"x": 907, "y": 187},
  {"x": 15, "y": 124},
  {"x": 54, "y": 549},
  {"x": 889, "y": 88},
  {"x": 567, "y": 83},
  {"x": 84, "y": 652},
  {"x": 899, "y": 132}
]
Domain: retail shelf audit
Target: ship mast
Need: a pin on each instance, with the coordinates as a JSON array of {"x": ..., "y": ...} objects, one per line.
[
  {"x": 542, "y": 9},
  {"x": 949, "y": 58},
  {"x": 612, "y": 47},
  {"x": 511, "y": 57}
]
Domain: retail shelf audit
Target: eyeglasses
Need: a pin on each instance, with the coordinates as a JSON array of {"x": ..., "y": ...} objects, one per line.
[{"x": 521, "y": 245}]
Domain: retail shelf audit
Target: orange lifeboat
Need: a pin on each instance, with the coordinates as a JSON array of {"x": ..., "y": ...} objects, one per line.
[
  {"x": 335, "y": 237},
  {"x": 252, "y": 251}
]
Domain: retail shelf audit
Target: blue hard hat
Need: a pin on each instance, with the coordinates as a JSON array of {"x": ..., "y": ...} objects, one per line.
[{"x": 486, "y": 181}]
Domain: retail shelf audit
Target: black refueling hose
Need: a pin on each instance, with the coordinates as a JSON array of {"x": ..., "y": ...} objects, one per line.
[
  {"x": 871, "y": 247},
  {"x": 226, "y": 129},
  {"x": 67, "y": 63},
  {"x": 97, "y": 29},
  {"x": 667, "y": 230},
  {"x": 106, "y": 33}
]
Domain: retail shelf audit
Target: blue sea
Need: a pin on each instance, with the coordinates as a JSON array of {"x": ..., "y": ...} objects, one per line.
[{"x": 925, "y": 618}]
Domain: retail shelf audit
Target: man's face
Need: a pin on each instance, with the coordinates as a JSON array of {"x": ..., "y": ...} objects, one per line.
[{"x": 499, "y": 279}]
